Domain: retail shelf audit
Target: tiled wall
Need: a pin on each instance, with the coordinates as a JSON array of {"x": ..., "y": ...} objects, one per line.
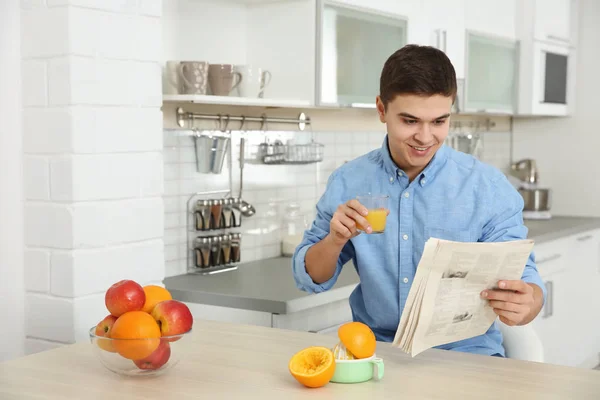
[
  {"x": 268, "y": 187},
  {"x": 93, "y": 168}
]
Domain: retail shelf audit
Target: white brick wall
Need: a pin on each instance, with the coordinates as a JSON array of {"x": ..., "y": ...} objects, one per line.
[
  {"x": 93, "y": 169},
  {"x": 264, "y": 185}
]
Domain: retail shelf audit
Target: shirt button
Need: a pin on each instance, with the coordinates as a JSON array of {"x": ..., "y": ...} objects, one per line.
[
  {"x": 405, "y": 280},
  {"x": 399, "y": 173},
  {"x": 406, "y": 194},
  {"x": 391, "y": 179},
  {"x": 405, "y": 237},
  {"x": 423, "y": 181}
]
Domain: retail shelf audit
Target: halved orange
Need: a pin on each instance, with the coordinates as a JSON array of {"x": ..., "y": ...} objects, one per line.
[
  {"x": 358, "y": 338},
  {"x": 313, "y": 366}
]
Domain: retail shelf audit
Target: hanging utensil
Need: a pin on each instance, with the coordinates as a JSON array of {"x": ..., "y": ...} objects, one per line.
[{"x": 246, "y": 208}]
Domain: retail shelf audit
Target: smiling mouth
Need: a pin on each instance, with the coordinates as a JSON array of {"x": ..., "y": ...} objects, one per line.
[{"x": 420, "y": 148}]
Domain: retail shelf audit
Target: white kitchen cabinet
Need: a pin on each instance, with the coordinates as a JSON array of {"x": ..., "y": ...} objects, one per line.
[
  {"x": 584, "y": 260},
  {"x": 322, "y": 319},
  {"x": 491, "y": 17},
  {"x": 228, "y": 314},
  {"x": 353, "y": 44},
  {"x": 567, "y": 325},
  {"x": 552, "y": 21},
  {"x": 444, "y": 22},
  {"x": 547, "y": 34},
  {"x": 491, "y": 74}
]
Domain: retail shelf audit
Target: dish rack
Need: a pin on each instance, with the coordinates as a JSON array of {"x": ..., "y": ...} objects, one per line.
[{"x": 279, "y": 153}]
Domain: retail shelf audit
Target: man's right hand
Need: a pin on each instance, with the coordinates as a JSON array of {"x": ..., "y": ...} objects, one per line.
[{"x": 346, "y": 220}]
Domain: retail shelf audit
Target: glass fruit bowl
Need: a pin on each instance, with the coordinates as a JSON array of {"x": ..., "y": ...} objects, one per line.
[{"x": 139, "y": 357}]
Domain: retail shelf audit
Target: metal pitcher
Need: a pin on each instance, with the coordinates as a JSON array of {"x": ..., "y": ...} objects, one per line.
[{"x": 211, "y": 149}]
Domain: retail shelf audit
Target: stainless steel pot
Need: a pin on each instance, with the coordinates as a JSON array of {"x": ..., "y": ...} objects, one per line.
[{"x": 536, "y": 199}]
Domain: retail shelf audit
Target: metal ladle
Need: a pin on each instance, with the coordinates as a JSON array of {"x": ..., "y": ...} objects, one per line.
[{"x": 246, "y": 209}]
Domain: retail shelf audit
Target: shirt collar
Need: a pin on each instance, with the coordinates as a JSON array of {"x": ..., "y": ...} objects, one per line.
[{"x": 430, "y": 171}]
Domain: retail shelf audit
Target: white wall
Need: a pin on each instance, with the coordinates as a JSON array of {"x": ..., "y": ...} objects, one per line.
[
  {"x": 93, "y": 167},
  {"x": 566, "y": 149},
  {"x": 11, "y": 184}
]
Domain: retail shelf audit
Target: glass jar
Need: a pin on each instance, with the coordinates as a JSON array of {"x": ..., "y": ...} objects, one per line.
[{"x": 293, "y": 227}]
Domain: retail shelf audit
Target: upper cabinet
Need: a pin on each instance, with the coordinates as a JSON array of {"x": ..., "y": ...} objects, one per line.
[
  {"x": 491, "y": 74},
  {"x": 547, "y": 57},
  {"x": 491, "y": 17},
  {"x": 513, "y": 57},
  {"x": 352, "y": 47},
  {"x": 552, "y": 21},
  {"x": 443, "y": 26}
]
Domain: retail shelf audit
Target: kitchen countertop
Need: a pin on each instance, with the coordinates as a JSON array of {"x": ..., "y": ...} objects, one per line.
[
  {"x": 232, "y": 361},
  {"x": 265, "y": 285},
  {"x": 560, "y": 226},
  {"x": 268, "y": 285}
]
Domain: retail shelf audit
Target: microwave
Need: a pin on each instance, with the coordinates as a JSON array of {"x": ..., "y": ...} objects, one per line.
[{"x": 547, "y": 80}]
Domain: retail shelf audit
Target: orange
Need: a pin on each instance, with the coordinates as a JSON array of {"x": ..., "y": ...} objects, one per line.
[
  {"x": 131, "y": 326},
  {"x": 358, "y": 338},
  {"x": 313, "y": 367},
  {"x": 154, "y": 295}
]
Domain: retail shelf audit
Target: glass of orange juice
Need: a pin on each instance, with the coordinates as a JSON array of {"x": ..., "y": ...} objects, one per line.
[{"x": 377, "y": 205}]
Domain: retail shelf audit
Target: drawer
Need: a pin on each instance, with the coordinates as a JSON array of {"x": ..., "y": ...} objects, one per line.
[
  {"x": 318, "y": 319},
  {"x": 551, "y": 257}
]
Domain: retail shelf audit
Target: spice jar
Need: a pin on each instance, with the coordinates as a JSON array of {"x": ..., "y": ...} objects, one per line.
[
  {"x": 215, "y": 251},
  {"x": 202, "y": 214},
  {"x": 236, "y": 239},
  {"x": 227, "y": 212},
  {"x": 202, "y": 250},
  {"x": 226, "y": 249},
  {"x": 236, "y": 215},
  {"x": 216, "y": 208}
]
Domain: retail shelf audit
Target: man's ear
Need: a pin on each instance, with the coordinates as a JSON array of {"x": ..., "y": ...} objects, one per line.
[{"x": 380, "y": 109}]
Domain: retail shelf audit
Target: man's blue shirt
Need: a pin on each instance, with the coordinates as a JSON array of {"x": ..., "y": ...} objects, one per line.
[{"x": 456, "y": 197}]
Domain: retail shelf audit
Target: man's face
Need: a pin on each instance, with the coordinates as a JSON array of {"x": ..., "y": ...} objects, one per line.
[{"x": 417, "y": 126}]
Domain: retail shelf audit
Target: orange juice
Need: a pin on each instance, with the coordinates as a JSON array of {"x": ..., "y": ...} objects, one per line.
[{"x": 376, "y": 218}]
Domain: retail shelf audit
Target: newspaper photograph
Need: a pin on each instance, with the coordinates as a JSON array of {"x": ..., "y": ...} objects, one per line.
[{"x": 444, "y": 303}]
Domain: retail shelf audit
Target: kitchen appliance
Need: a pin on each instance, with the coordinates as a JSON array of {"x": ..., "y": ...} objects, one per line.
[
  {"x": 537, "y": 200},
  {"x": 526, "y": 170}
]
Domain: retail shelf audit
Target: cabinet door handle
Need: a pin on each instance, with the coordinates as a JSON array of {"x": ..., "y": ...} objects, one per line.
[
  {"x": 445, "y": 32},
  {"x": 549, "y": 306},
  {"x": 558, "y": 38},
  {"x": 438, "y": 42},
  {"x": 584, "y": 238},
  {"x": 547, "y": 259}
]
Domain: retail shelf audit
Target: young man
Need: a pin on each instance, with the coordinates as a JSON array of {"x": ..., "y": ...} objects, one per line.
[{"x": 434, "y": 191}]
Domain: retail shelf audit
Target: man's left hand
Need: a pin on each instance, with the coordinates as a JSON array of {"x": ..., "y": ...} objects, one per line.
[{"x": 514, "y": 302}]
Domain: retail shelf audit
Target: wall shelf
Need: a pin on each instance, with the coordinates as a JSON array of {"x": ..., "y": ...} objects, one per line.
[{"x": 234, "y": 101}]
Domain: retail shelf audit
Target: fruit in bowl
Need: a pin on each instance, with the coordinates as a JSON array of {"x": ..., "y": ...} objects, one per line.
[{"x": 145, "y": 332}]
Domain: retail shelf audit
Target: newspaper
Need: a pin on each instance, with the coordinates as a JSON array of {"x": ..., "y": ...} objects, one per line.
[{"x": 444, "y": 303}]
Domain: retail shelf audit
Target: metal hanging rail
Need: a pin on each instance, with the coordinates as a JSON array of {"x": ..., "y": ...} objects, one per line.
[{"x": 183, "y": 117}]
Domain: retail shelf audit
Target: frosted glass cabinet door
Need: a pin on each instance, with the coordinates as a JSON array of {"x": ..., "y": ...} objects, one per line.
[
  {"x": 491, "y": 70},
  {"x": 352, "y": 46}
]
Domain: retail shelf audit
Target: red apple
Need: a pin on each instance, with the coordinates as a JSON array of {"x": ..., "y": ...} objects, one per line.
[
  {"x": 124, "y": 296},
  {"x": 103, "y": 329},
  {"x": 157, "y": 359},
  {"x": 173, "y": 317}
]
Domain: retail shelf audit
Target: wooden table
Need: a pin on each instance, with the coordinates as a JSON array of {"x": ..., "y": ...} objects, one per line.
[{"x": 227, "y": 361}]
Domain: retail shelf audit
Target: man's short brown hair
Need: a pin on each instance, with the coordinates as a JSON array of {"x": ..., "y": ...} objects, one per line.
[{"x": 419, "y": 70}]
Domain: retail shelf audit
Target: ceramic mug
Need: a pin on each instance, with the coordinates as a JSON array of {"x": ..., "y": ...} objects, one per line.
[
  {"x": 254, "y": 80},
  {"x": 171, "y": 78},
  {"x": 194, "y": 77},
  {"x": 356, "y": 371},
  {"x": 221, "y": 79}
]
